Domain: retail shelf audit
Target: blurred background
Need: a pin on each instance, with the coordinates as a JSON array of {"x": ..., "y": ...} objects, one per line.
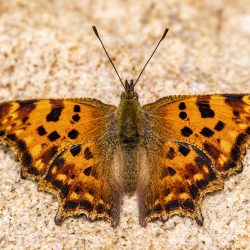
[{"x": 48, "y": 49}]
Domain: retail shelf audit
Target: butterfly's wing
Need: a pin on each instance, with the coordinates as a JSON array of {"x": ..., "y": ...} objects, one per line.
[
  {"x": 191, "y": 143},
  {"x": 69, "y": 147}
]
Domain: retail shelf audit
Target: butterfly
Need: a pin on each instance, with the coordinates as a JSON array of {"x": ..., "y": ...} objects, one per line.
[{"x": 89, "y": 154}]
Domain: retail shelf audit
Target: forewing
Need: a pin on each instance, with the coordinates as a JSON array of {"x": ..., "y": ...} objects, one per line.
[
  {"x": 67, "y": 145},
  {"x": 196, "y": 140},
  {"x": 217, "y": 124}
]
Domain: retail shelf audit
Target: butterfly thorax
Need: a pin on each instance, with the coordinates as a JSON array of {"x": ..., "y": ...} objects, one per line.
[{"x": 129, "y": 118}]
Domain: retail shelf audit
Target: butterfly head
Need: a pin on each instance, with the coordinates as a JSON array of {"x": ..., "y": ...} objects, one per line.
[{"x": 129, "y": 92}]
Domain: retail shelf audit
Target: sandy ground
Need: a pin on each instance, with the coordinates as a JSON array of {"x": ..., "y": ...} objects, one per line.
[{"x": 47, "y": 49}]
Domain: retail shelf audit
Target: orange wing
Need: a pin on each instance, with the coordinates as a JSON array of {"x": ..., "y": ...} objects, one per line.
[
  {"x": 191, "y": 142},
  {"x": 67, "y": 146}
]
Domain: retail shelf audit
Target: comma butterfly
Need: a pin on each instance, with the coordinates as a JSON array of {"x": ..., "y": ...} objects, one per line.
[{"x": 89, "y": 154}]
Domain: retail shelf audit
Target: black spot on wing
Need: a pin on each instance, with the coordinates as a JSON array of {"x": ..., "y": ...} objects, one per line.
[
  {"x": 194, "y": 191},
  {"x": 211, "y": 176},
  {"x": 157, "y": 208},
  {"x": 87, "y": 171},
  {"x": 188, "y": 204},
  {"x": 170, "y": 154},
  {"x": 73, "y": 134},
  {"x": 184, "y": 149},
  {"x": 207, "y": 132},
  {"x": 88, "y": 154},
  {"x": 236, "y": 150},
  {"x": 182, "y": 106},
  {"x": 100, "y": 208},
  {"x": 171, "y": 171},
  {"x": 241, "y": 139},
  {"x": 41, "y": 130},
  {"x": 77, "y": 108},
  {"x": 183, "y": 115},
  {"x": 70, "y": 205},
  {"x": 232, "y": 97},
  {"x": 65, "y": 190},
  {"x": 206, "y": 111},
  {"x": 27, "y": 105},
  {"x": 53, "y": 136},
  {"x": 54, "y": 114},
  {"x": 76, "y": 118},
  {"x": 171, "y": 205},
  {"x": 26, "y": 158},
  {"x": 204, "y": 107},
  {"x": 235, "y": 153},
  {"x": 219, "y": 126},
  {"x": 186, "y": 131},
  {"x": 75, "y": 150},
  {"x": 86, "y": 205},
  {"x": 2, "y": 133},
  {"x": 201, "y": 183}
]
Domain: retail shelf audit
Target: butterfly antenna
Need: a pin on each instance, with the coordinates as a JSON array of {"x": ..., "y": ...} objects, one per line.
[
  {"x": 96, "y": 33},
  {"x": 163, "y": 36}
]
